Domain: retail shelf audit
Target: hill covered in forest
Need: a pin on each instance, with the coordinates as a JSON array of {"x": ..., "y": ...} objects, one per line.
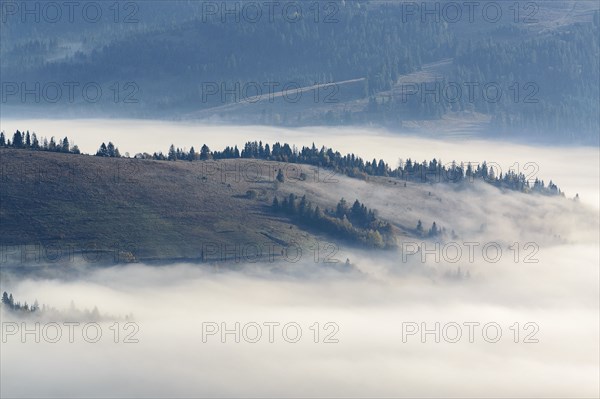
[
  {"x": 510, "y": 69},
  {"x": 219, "y": 205}
]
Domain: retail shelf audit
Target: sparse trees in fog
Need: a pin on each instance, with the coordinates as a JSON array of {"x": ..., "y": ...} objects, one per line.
[{"x": 359, "y": 224}]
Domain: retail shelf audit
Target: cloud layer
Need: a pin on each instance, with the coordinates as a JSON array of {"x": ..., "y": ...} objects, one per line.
[{"x": 372, "y": 310}]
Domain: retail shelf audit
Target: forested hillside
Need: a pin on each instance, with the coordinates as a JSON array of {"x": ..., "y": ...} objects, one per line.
[
  {"x": 530, "y": 73},
  {"x": 190, "y": 205}
]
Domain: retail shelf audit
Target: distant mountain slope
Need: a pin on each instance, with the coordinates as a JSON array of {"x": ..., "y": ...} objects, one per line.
[{"x": 182, "y": 61}]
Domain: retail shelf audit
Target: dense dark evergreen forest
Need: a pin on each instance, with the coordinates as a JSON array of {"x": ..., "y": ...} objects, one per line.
[{"x": 179, "y": 59}]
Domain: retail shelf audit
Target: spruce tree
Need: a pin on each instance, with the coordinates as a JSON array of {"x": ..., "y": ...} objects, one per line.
[{"x": 280, "y": 176}]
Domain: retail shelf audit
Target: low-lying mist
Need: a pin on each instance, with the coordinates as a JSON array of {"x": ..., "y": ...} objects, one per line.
[
  {"x": 417, "y": 321},
  {"x": 370, "y": 337}
]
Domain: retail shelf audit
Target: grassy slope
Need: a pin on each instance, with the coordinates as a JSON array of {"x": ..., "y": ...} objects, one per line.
[
  {"x": 172, "y": 210},
  {"x": 169, "y": 211},
  {"x": 164, "y": 209}
]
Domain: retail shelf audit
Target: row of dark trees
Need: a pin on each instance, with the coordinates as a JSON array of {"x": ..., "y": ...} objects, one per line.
[
  {"x": 351, "y": 165},
  {"x": 357, "y": 223},
  {"x": 11, "y": 304},
  {"x": 26, "y": 140},
  {"x": 433, "y": 232},
  {"x": 9, "y": 301},
  {"x": 108, "y": 151},
  {"x": 30, "y": 141}
]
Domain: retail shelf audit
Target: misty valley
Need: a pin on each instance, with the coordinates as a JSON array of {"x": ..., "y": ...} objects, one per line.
[{"x": 288, "y": 247}]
